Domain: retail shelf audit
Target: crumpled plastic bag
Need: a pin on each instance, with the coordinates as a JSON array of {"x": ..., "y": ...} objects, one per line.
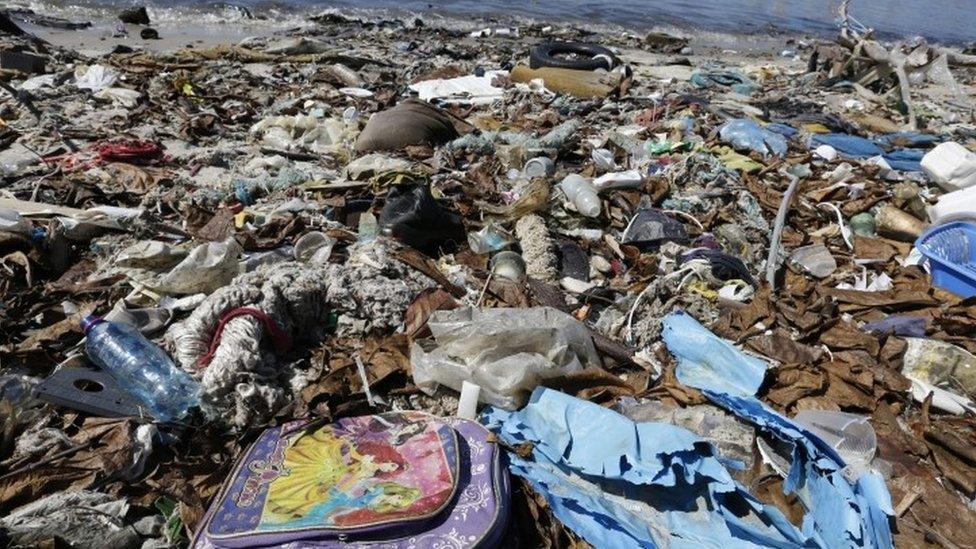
[
  {"x": 946, "y": 371},
  {"x": 746, "y": 134},
  {"x": 412, "y": 215},
  {"x": 505, "y": 351},
  {"x": 122, "y": 97},
  {"x": 464, "y": 90},
  {"x": 208, "y": 267},
  {"x": 95, "y": 78},
  {"x": 82, "y": 519},
  {"x": 303, "y": 132}
]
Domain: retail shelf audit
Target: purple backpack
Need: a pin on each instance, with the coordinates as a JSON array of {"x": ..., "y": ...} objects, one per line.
[{"x": 397, "y": 480}]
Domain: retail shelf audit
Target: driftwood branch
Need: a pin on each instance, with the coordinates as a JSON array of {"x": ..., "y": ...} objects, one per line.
[{"x": 869, "y": 61}]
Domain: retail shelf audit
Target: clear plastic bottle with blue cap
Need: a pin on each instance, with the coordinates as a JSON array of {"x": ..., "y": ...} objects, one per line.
[{"x": 140, "y": 367}]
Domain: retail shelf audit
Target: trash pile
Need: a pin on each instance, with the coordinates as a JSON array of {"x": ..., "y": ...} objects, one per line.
[{"x": 412, "y": 283}]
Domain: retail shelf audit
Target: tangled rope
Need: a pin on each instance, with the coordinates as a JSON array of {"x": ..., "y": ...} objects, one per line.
[{"x": 246, "y": 382}]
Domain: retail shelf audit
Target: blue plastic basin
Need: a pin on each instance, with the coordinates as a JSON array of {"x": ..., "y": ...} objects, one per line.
[{"x": 951, "y": 251}]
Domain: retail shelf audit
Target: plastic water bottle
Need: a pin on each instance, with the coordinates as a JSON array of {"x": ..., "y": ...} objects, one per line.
[
  {"x": 579, "y": 191},
  {"x": 140, "y": 367}
]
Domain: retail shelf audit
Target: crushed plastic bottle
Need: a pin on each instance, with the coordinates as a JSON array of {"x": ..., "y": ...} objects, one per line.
[
  {"x": 508, "y": 265},
  {"x": 851, "y": 435},
  {"x": 630, "y": 179},
  {"x": 491, "y": 238},
  {"x": 140, "y": 367},
  {"x": 540, "y": 166},
  {"x": 603, "y": 160},
  {"x": 581, "y": 193}
]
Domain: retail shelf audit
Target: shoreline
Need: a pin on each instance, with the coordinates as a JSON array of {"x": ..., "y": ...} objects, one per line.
[
  {"x": 180, "y": 28},
  {"x": 101, "y": 39}
]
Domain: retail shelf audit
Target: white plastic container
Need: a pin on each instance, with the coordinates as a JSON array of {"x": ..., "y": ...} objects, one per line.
[
  {"x": 951, "y": 165},
  {"x": 954, "y": 206},
  {"x": 581, "y": 193}
]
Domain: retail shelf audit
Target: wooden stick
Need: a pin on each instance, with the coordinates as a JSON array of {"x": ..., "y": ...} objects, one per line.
[{"x": 774, "y": 242}]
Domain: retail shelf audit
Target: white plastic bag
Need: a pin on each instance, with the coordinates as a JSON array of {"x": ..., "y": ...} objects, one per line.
[
  {"x": 208, "y": 267},
  {"x": 95, "y": 78},
  {"x": 505, "y": 351}
]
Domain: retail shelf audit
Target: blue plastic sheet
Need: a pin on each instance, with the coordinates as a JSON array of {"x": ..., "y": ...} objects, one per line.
[
  {"x": 852, "y": 146},
  {"x": 843, "y": 514},
  {"x": 783, "y": 129},
  {"x": 618, "y": 483},
  {"x": 908, "y": 139},
  {"x": 710, "y": 362}
]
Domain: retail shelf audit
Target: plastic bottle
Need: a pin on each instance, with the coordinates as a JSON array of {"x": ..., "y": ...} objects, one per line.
[
  {"x": 140, "y": 367},
  {"x": 579, "y": 191},
  {"x": 603, "y": 160}
]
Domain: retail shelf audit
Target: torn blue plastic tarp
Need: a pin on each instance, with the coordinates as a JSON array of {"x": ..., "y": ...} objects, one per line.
[
  {"x": 709, "y": 361},
  {"x": 623, "y": 484},
  {"x": 845, "y": 515},
  {"x": 739, "y": 82}
]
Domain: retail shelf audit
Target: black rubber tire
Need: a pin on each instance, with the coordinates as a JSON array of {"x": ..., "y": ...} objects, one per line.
[{"x": 544, "y": 55}]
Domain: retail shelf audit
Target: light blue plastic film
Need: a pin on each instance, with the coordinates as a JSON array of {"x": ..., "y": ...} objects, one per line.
[
  {"x": 842, "y": 514},
  {"x": 623, "y": 484}
]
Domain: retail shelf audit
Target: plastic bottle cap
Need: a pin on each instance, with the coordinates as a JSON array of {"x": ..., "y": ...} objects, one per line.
[{"x": 90, "y": 321}]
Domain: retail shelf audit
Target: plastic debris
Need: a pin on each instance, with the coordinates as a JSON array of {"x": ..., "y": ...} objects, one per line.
[
  {"x": 507, "y": 352},
  {"x": 746, "y": 134}
]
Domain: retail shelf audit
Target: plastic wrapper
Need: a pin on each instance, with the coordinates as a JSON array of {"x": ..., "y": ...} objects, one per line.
[
  {"x": 95, "y": 78},
  {"x": 946, "y": 371},
  {"x": 13, "y": 222},
  {"x": 505, "y": 351},
  {"x": 464, "y": 90},
  {"x": 814, "y": 259},
  {"x": 491, "y": 238},
  {"x": 650, "y": 228},
  {"x": 304, "y": 132}
]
